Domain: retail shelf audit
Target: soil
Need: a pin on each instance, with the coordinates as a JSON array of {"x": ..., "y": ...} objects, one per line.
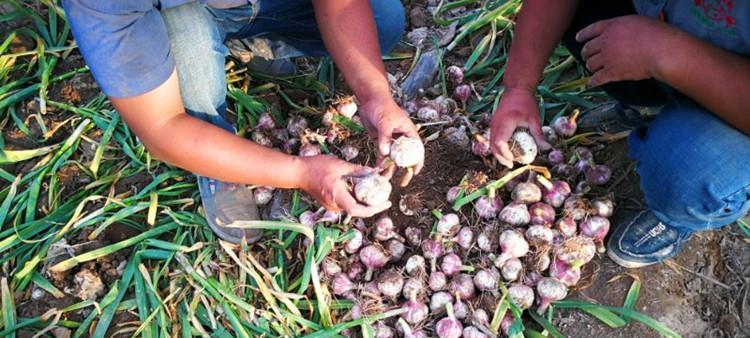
[{"x": 704, "y": 292}]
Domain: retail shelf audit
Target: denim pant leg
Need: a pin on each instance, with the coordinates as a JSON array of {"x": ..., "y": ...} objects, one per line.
[
  {"x": 198, "y": 50},
  {"x": 694, "y": 168},
  {"x": 291, "y": 29}
]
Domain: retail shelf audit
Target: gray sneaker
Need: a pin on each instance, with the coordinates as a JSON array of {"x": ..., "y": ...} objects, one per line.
[
  {"x": 226, "y": 204},
  {"x": 259, "y": 56}
]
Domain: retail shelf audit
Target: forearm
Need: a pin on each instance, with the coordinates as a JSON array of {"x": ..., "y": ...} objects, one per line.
[
  {"x": 715, "y": 78},
  {"x": 350, "y": 36},
  {"x": 207, "y": 150},
  {"x": 539, "y": 28},
  {"x": 159, "y": 119}
]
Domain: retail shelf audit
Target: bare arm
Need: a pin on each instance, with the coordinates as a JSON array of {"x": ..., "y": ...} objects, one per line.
[
  {"x": 159, "y": 119},
  {"x": 717, "y": 79},
  {"x": 540, "y": 26},
  {"x": 636, "y": 47},
  {"x": 350, "y": 35}
]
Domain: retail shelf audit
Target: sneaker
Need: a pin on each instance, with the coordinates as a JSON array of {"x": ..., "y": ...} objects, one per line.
[
  {"x": 611, "y": 117},
  {"x": 225, "y": 204},
  {"x": 259, "y": 57},
  {"x": 645, "y": 240}
]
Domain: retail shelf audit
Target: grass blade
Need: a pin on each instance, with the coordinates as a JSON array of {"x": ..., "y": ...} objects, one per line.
[
  {"x": 14, "y": 156},
  {"x": 9, "y": 308},
  {"x": 45, "y": 285},
  {"x": 632, "y": 297},
  {"x": 626, "y": 313},
  {"x": 91, "y": 255},
  {"x": 546, "y": 324}
]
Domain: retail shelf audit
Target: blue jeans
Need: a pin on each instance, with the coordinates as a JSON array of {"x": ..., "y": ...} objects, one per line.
[
  {"x": 694, "y": 167},
  {"x": 197, "y": 34}
]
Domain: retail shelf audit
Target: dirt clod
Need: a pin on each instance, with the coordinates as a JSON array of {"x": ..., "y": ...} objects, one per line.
[{"x": 88, "y": 285}]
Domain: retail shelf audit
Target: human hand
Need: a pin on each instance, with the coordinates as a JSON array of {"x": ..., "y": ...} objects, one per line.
[
  {"x": 624, "y": 48},
  {"x": 324, "y": 177},
  {"x": 517, "y": 108},
  {"x": 385, "y": 121}
]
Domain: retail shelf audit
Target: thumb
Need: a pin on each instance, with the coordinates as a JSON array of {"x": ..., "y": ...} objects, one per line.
[
  {"x": 499, "y": 143},
  {"x": 384, "y": 142},
  {"x": 541, "y": 141},
  {"x": 360, "y": 171}
]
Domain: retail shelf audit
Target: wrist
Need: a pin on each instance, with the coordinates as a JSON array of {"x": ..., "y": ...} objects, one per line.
[
  {"x": 301, "y": 168},
  {"x": 519, "y": 91},
  {"x": 374, "y": 94},
  {"x": 667, "y": 53}
]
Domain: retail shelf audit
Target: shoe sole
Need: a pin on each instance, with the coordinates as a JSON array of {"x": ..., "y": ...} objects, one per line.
[
  {"x": 626, "y": 263},
  {"x": 219, "y": 231}
]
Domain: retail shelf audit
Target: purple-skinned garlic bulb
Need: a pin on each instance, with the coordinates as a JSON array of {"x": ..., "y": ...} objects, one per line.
[
  {"x": 515, "y": 214},
  {"x": 448, "y": 225},
  {"x": 451, "y": 264},
  {"x": 596, "y": 227},
  {"x": 513, "y": 245},
  {"x": 462, "y": 286},
  {"x": 454, "y": 74},
  {"x": 437, "y": 281},
  {"x": 576, "y": 251},
  {"x": 526, "y": 193},
  {"x": 555, "y": 156},
  {"x": 523, "y": 147},
  {"x": 512, "y": 269},
  {"x": 542, "y": 214},
  {"x": 521, "y": 295},
  {"x": 413, "y": 236},
  {"x": 372, "y": 189},
  {"x": 449, "y": 327},
  {"x": 396, "y": 249},
  {"x": 415, "y": 265},
  {"x": 341, "y": 284},
  {"x": 383, "y": 229},
  {"x": 564, "y": 125},
  {"x": 373, "y": 257},
  {"x": 539, "y": 235},
  {"x": 352, "y": 246},
  {"x": 262, "y": 195},
  {"x": 487, "y": 207},
  {"x": 464, "y": 238},
  {"x": 346, "y": 106},
  {"x": 439, "y": 300},
  {"x": 390, "y": 283},
  {"x": 452, "y": 194},
  {"x": 415, "y": 311},
  {"x": 603, "y": 207},
  {"x": 567, "y": 226},
  {"x": 462, "y": 93},
  {"x": 598, "y": 174},
  {"x": 549, "y": 290},
  {"x": 486, "y": 279},
  {"x": 557, "y": 194},
  {"x": 564, "y": 273}
]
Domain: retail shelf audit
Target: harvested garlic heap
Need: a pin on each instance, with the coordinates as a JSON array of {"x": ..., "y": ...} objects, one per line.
[{"x": 533, "y": 235}]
